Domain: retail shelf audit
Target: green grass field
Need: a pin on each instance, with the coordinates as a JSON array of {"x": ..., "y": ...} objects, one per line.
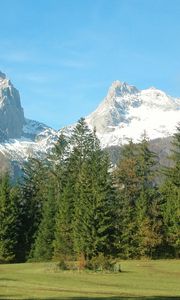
[{"x": 147, "y": 280}]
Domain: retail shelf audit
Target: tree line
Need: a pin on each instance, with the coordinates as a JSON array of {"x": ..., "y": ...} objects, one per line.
[{"x": 73, "y": 203}]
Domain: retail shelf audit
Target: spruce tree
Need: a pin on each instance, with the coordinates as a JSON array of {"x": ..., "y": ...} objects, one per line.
[
  {"x": 43, "y": 247},
  {"x": 79, "y": 149},
  {"x": 8, "y": 222},
  {"x": 63, "y": 242},
  {"x": 127, "y": 185},
  {"x": 93, "y": 226},
  {"x": 64, "y": 179},
  {"x": 85, "y": 220},
  {"x": 33, "y": 189},
  {"x": 170, "y": 191},
  {"x": 150, "y": 225},
  {"x": 135, "y": 180}
]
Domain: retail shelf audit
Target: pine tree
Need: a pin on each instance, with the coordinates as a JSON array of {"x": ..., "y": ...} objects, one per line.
[
  {"x": 63, "y": 242},
  {"x": 93, "y": 225},
  {"x": 174, "y": 172},
  {"x": 146, "y": 164},
  {"x": 150, "y": 225},
  {"x": 170, "y": 191},
  {"x": 57, "y": 162},
  {"x": 82, "y": 142},
  {"x": 43, "y": 247},
  {"x": 33, "y": 189},
  {"x": 84, "y": 224},
  {"x": 64, "y": 174},
  {"x": 134, "y": 178},
  {"x": 8, "y": 222},
  {"x": 80, "y": 147},
  {"x": 127, "y": 185}
]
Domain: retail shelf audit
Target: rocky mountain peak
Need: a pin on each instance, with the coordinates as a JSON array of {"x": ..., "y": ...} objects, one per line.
[
  {"x": 119, "y": 88},
  {"x": 11, "y": 111},
  {"x": 126, "y": 112},
  {"x": 2, "y": 76}
]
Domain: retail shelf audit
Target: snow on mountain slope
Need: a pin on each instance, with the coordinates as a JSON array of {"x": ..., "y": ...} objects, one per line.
[
  {"x": 37, "y": 139},
  {"x": 126, "y": 113},
  {"x": 20, "y": 137}
]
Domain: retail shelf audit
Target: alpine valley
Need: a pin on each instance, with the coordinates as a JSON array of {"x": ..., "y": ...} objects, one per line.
[{"x": 125, "y": 113}]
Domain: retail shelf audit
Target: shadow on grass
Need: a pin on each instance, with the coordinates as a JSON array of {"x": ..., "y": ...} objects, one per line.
[
  {"x": 8, "y": 279},
  {"x": 100, "y": 298}
]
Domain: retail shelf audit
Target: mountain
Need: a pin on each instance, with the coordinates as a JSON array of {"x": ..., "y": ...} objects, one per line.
[
  {"x": 11, "y": 112},
  {"x": 19, "y": 136},
  {"x": 127, "y": 112}
]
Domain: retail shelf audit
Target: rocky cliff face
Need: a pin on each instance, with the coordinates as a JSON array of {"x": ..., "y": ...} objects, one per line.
[
  {"x": 20, "y": 137},
  {"x": 11, "y": 112}
]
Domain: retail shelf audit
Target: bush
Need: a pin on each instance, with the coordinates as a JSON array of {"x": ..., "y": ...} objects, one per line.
[
  {"x": 100, "y": 263},
  {"x": 81, "y": 263},
  {"x": 66, "y": 263},
  {"x": 62, "y": 264},
  {"x": 116, "y": 267}
]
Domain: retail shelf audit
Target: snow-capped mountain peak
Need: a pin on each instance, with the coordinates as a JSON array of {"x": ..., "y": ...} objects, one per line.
[
  {"x": 20, "y": 137},
  {"x": 127, "y": 112},
  {"x": 155, "y": 97},
  {"x": 119, "y": 88}
]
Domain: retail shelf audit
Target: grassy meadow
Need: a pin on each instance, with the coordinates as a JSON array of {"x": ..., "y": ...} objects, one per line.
[{"x": 147, "y": 280}]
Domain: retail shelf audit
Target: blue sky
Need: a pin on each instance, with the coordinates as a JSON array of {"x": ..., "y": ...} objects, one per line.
[{"x": 62, "y": 55}]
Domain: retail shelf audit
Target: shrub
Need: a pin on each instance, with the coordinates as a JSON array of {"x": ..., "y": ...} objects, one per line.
[
  {"x": 81, "y": 262},
  {"x": 100, "y": 263},
  {"x": 62, "y": 264}
]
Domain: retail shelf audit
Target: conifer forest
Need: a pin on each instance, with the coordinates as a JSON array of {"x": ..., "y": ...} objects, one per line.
[{"x": 74, "y": 204}]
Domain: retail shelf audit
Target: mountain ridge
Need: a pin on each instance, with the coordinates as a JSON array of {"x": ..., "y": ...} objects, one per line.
[{"x": 124, "y": 114}]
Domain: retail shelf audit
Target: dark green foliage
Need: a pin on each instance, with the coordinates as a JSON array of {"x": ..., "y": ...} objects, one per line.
[
  {"x": 93, "y": 217},
  {"x": 65, "y": 176},
  {"x": 63, "y": 243},
  {"x": 8, "y": 222},
  {"x": 100, "y": 262},
  {"x": 71, "y": 206},
  {"x": 85, "y": 217},
  {"x": 32, "y": 193},
  {"x": 94, "y": 197},
  {"x": 170, "y": 192},
  {"x": 43, "y": 248},
  {"x": 139, "y": 211}
]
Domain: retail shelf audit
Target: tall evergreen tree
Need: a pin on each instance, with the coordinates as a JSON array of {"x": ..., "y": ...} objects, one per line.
[
  {"x": 88, "y": 208},
  {"x": 170, "y": 191},
  {"x": 63, "y": 244},
  {"x": 65, "y": 175},
  {"x": 127, "y": 184},
  {"x": 8, "y": 222},
  {"x": 93, "y": 226},
  {"x": 33, "y": 190},
  {"x": 150, "y": 229},
  {"x": 84, "y": 222},
  {"x": 135, "y": 174},
  {"x": 43, "y": 247}
]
